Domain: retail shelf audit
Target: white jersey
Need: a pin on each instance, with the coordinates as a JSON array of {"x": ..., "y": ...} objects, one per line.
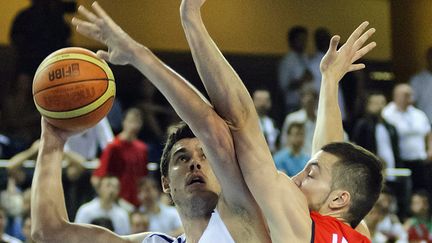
[{"x": 216, "y": 232}]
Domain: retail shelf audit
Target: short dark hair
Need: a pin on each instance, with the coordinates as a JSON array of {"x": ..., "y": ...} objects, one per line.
[
  {"x": 175, "y": 133},
  {"x": 294, "y": 32},
  {"x": 360, "y": 173}
]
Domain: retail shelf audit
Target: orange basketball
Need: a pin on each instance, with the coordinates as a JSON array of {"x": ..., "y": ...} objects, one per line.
[{"x": 73, "y": 88}]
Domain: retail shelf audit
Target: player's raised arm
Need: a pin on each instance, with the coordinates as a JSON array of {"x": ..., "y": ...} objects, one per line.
[
  {"x": 334, "y": 65},
  {"x": 50, "y": 221},
  {"x": 189, "y": 104},
  {"x": 276, "y": 194}
]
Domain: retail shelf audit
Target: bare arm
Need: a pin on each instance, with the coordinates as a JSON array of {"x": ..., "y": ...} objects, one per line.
[
  {"x": 50, "y": 221},
  {"x": 334, "y": 65},
  {"x": 276, "y": 194},
  {"x": 189, "y": 104}
]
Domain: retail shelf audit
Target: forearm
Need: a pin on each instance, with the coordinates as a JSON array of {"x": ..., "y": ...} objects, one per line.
[
  {"x": 49, "y": 216},
  {"x": 235, "y": 105},
  {"x": 329, "y": 120}
]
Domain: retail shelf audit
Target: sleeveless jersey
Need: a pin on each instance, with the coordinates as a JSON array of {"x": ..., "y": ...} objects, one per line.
[
  {"x": 326, "y": 229},
  {"x": 216, "y": 232}
]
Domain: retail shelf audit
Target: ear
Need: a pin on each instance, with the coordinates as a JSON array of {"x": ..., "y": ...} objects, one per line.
[
  {"x": 340, "y": 199},
  {"x": 165, "y": 184}
]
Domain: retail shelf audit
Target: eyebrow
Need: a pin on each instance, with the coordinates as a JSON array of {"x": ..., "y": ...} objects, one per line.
[{"x": 178, "y": 151}]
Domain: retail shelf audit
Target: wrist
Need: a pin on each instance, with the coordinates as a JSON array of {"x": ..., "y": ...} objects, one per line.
[
  {"x": 329, "y": 80},
  {"x": 187, "y": 14},
  {"x": 52, "y": 142},
  {"x": 137, "y": 52}
]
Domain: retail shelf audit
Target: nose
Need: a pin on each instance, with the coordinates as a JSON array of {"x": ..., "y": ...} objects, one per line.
[
  {"x": 296, "y": 180},
  {"x": 195, "y": 165}
]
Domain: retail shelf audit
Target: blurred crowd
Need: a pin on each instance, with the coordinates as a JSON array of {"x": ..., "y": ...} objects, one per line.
[{"x": 111, "y": 176}]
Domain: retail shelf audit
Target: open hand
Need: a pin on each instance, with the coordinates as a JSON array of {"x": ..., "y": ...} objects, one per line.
[
  {"x": 102, "y": 28},
  {"x": 336, "y": 63}
]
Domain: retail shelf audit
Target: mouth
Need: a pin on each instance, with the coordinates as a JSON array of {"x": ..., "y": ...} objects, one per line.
[{"x": 195, "y": 179}]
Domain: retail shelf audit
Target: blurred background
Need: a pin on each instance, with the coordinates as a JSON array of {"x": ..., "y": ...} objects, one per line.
[{"x": 275, "y": 46}]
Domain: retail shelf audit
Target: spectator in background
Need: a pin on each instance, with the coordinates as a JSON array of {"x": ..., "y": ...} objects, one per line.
[
  {"x": 157, "y": 115},
  {"x": 292, "y": 159},
  {"x": 293, "y": 69},
  {"x": 389, "y": 227},
  {"x": 375, "y": 134},
  {"x": 104, "y": 206},
  {"x": 422, "y": 86},
  {"x": 263, "y": 103},
  {"x": 139, "y": 222},
  {"x": 87, "y": 143},
  {"x": 36, "y": 32},
  {"x": 306, "y": 115},
  {"x": 11, "y": 200},
  {"x": 419, "y": 225},
  {"x": 103, "y": 222},
  {"x": 20, "y": 119},
  {"x": 162, "y": 218},
  {"x": 125, "y": 158},
  {"x": 414, "y": 130},
  {"x": 26, "y": 228},
  {"x": 322, "y": 38},
  {"x": 3, "y": 236},
  {"x": 76, "y": 182}
]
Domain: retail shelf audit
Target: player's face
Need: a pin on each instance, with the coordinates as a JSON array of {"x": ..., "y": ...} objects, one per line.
[
  {"x": 315, "y": 180},
  {"x": 191, "y": 180}
]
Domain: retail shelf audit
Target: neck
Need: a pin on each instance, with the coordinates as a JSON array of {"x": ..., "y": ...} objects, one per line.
[
  {"x": 106, "y": 204},
  {"x": 127, "y": 136},
  {"x": 402, "y": 108},
  {"x": 337, "y": 215},
  {"x": 194, "y": 227}
]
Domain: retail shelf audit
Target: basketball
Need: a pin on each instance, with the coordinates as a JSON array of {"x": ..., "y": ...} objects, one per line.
[{"x": 73, "y": 89}]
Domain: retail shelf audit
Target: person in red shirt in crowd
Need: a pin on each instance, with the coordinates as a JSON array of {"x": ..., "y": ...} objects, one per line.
[{"x": 125, "y": 158}]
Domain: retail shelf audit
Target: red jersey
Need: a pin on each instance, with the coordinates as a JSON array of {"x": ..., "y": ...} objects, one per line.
[
  {"x": 128, "y": 162},
  {"x": 327, "y": 229}
]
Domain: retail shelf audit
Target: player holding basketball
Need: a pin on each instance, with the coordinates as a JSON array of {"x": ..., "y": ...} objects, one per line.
[
  {"x": 201, "y": 200},
  {"x": 341, "y": 182}
]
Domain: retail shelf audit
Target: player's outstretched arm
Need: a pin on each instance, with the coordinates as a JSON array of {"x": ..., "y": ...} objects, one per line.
[
  {"x": 334, "y": 65},
  {"x": 282, "y": 203},
  {"x": 50, "y": 221},
  {"x": 189, "y": 104}
]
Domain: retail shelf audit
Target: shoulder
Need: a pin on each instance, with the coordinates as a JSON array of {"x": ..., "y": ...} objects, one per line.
[{"x": 328, "y": 228}]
